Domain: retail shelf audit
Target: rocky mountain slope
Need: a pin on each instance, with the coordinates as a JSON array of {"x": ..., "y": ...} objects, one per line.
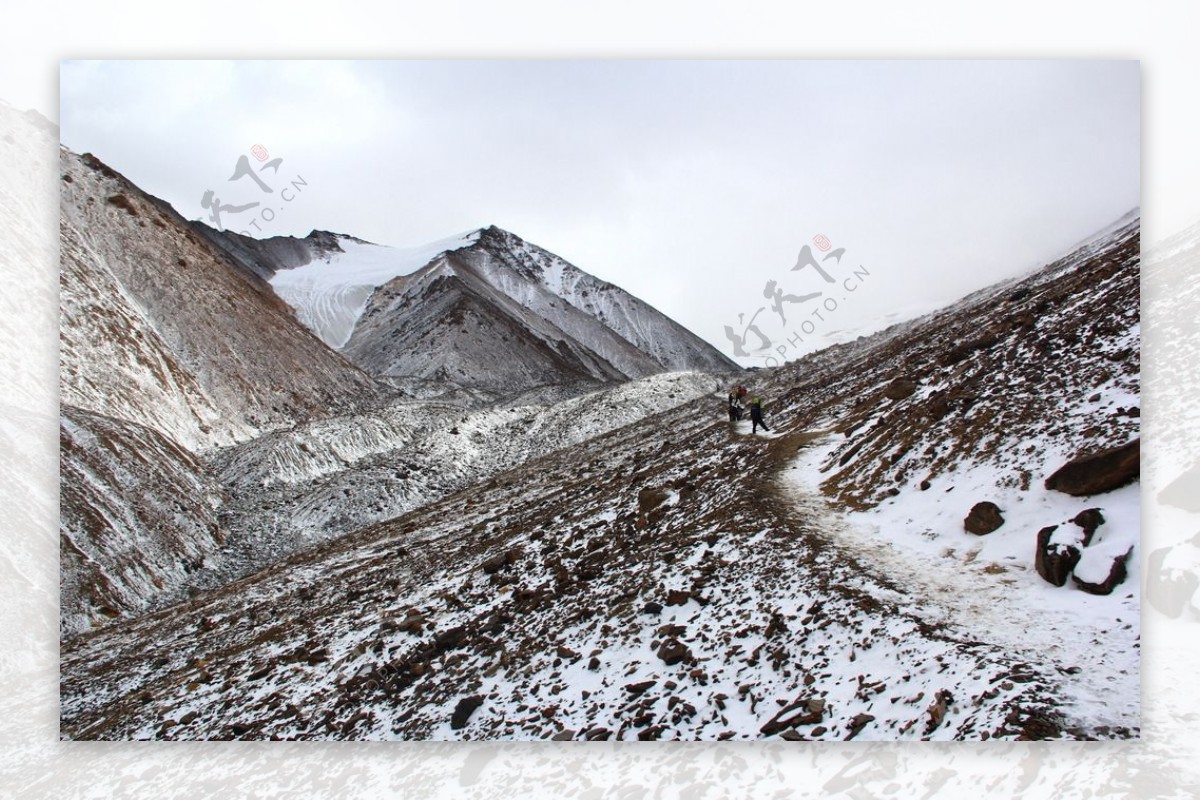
[
  {"x": 679, "y": 578},
  {"x": 138, "y": 514},
  {"x": 167, "y": 350},
  {"x": 160, "y": 328}
]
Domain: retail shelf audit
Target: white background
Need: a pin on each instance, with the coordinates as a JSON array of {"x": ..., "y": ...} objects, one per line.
[{"x": 32, "y": 41}]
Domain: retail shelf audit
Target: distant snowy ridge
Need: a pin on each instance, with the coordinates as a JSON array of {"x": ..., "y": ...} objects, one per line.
[{"x": 330, "y": 292}]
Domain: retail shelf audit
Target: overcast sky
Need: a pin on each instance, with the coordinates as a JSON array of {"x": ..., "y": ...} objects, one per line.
[{"x": 690, "y": 184}]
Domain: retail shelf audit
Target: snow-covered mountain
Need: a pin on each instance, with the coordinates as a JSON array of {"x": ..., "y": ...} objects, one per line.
[
  {"x": 479, "y": 311},
  {"x": 160, "y": 328},
  {"x": 501, "y": 315},
  {"x": 679, "y": 578},
  {"x": 326, "y": 277}
]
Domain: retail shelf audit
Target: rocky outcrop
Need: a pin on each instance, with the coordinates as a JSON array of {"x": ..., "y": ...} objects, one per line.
[{"x": 1099, "y": 472}]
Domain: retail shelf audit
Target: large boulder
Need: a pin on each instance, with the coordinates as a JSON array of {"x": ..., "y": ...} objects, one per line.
[
  {"x": 1056, "y": 556},
  {"x": 984, "y": 518},
  {"x": 1101, "y": 575},
  {"x": 1099, "y": 472}
]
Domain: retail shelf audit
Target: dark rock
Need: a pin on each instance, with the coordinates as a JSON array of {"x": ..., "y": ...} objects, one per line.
[
  {"x": 817, "y": 732},
  {"x": 1054, "y": 562},
  {"x": 678, "y": 597},
  {"x": 791, "y": 735},
  {"x": 984, "y": 518},
  {"x": 1089, "y": 520},
  {"x": 594, "y": 663},
  {"x": 563, "y": 736},
  {"x": 900, "y": 388},
  {"x": 925, "y": 485},
  {"x": 673, "y": 652},
  {"x": 652, "y": 608},
  {"x": 799, "y": 713},
  {"x": 639, "y": 687},
  {"x": 858, "y": 723},
  {"x": 598, "y": 734},
  {"x": 451, "y": 638},
  {"x": 1099, "y": 472},
  {"x": 494, "y": 564},
  {"x": 1116, "y": 574},
  {"x": 463, "y": 711},
  {"x": 651, "y": 498}
]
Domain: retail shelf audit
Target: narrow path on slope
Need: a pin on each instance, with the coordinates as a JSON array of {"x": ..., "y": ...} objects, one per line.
[{"x": 983, "y": 602}]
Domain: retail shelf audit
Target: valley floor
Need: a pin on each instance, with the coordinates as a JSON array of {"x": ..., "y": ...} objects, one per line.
[{"x": 656, "y": 582}]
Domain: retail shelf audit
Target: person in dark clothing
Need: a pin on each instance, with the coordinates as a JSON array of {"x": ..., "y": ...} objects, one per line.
[
  {"x": 735, "y": 407},
  {"x": 756, "y": 415}
]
